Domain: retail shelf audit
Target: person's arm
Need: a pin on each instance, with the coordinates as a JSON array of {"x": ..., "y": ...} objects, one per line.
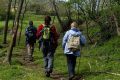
[
  {"x": 56, "y": 35},
  {"x": 26, "y": 32},
  {"x": 82, "y": 40},
  {"x": 35, "y": 32},
  {"x": 65, "y": 38},
  {"x": 38, "y": 33}
]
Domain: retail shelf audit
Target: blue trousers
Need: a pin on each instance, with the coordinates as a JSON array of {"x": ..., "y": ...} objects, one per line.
[
  {"x": 48, "y": 55},
  {"x": 71, "y": 62}
]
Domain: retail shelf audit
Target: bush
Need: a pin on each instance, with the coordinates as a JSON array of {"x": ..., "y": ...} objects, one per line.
[{"x": 2, "y": 14}]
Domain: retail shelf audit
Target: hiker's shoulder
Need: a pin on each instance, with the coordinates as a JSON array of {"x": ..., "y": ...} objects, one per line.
[
  {"x": 27, "y": 28},
  {"x": 75, "y": 31},
  {"x": 52, "y": 26},
  {"x": 40, "y": 26}
]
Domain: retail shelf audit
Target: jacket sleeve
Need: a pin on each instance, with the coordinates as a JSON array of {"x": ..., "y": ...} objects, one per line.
[
  {"x": 82, "y": 40},
  {"x": 38, "y": 33},
  {"x": 65, "y": 38},
  {"x": 56, "y": 35},
  {"x": 26, "y": 32},
  {"x": 35, "y": 32}
]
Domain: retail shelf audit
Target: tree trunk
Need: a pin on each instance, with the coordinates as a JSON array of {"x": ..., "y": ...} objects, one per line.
[
  {"x": 68, "y": 11},
  {"x": 87, "y": 24},
  {"x": 6, "y": 23},
  {"x": 117, "y": 26},
  {"x": 14, "y": 15},
  {"x": 23, "y": 15},
  {"x": 9, "y": 54},
  {"x": 57, "y": 14}
]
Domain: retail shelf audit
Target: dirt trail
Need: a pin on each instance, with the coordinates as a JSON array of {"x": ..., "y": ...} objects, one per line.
[
  {"x": 32, "y": 65},
  {"x": 36, "y": 66},
  {"x": 55, "y": 75}
]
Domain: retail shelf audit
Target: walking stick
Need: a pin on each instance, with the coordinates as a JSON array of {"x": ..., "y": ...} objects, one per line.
[{"x": 79, "y": 61}]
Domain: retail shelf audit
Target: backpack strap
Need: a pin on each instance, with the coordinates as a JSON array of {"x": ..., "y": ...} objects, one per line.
[
  {"x": 43, "y": 29},
  {"x": 48, "y": 25},
  {"x": 71, "y": 34}
]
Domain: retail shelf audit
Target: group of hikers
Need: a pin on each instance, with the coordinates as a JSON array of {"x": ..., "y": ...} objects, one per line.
[{"x": 48, "y": 36}]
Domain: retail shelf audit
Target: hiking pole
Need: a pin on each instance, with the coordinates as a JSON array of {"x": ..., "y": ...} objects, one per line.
[
  {"x": 79, "y": 61},
  {"x": 78, "y": 65}
]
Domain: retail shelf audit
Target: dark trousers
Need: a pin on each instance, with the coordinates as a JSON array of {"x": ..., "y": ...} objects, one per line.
[
  {"x": 48, "y": 55},
  {"x": 71, "y": 62}
]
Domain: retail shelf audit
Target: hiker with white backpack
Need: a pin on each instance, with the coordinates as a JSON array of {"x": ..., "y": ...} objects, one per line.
[{"x": 72, "y": 42}]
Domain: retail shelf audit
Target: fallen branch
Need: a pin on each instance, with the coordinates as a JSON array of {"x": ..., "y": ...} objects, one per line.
[
  {"x": 116, "y": 74},
  {"x": 90, "y": 66}
]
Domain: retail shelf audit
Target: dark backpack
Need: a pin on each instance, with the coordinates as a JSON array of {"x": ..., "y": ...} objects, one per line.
[{"x": 31, "y": 34}]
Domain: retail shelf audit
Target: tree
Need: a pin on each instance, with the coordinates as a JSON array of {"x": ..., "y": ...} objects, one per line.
[
  {"x": 13, "y": 42},
  {"x": 7, "y": 21},
  {"x": 3, "y": 9},
  {"x": 22, "y": 18},
  {"x": 57, "y": 14},
  {"x": 15, "y": 10}
]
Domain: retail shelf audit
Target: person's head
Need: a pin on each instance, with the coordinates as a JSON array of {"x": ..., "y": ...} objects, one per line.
[
  {"x": 30, "y": 23},
  {"x": 47, "y": 20},
  {"x": 74, "y": 24}
]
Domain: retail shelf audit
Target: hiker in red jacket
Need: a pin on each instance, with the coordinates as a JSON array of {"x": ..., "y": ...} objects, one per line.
[{"x": 48, "y": 41}]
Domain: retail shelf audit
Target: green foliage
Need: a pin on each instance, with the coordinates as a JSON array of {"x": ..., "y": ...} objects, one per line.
[
  {"x": 104, "y": 60},
  {"x": 96, "y": 62},
  {"x": 100, "y": 62},
  {"x": 2, "y": 9},
  {"x": 14, "y": 72}
]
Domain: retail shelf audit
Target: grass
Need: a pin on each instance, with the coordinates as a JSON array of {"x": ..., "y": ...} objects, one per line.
[
  {"x": 1, "y": 24},
  {"x": 102, "y": 60},
  {"x": 17, "y": 71},
  {"x": 96, "y": 63}
]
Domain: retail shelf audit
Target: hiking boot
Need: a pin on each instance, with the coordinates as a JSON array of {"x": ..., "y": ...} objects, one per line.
[
  {"x": 47, "y": 74},
  {"x": 50, "y": 70},
  {"x": 71, "y": 77},
  {"x": 31, "y": 59}
]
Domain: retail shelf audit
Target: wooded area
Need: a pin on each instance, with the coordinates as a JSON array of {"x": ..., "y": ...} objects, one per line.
[{"x": 99, "y": 20}]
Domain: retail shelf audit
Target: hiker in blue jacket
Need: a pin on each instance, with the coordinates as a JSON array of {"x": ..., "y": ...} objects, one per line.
[
  {"x": 30, "y": 34},
  {"x": 70, "y": 54}
]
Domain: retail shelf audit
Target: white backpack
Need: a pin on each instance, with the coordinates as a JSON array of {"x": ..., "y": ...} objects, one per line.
[{"x": 73, "y": 43}]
